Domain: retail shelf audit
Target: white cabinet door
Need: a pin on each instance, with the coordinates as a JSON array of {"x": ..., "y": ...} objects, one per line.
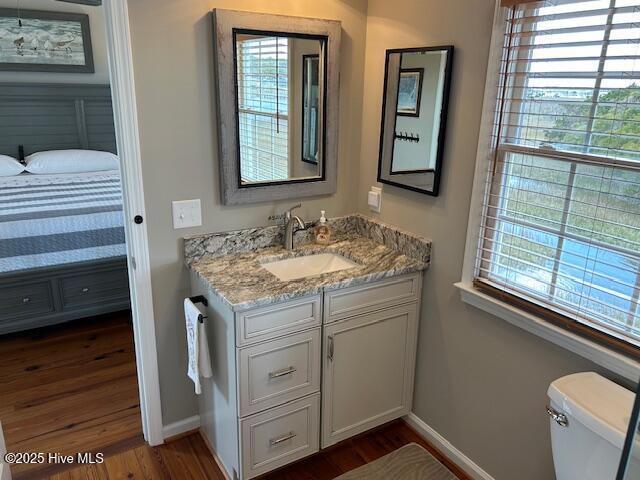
[{"x": 368, "y": 364}]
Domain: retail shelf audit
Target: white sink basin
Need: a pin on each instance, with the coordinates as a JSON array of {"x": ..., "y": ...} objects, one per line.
[{"x": 308, "y": 266}]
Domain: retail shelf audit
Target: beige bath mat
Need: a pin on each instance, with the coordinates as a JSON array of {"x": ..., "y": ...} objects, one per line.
[{"x": 411, "y": 462}]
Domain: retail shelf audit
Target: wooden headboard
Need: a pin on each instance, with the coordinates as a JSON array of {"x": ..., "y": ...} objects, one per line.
[{"x": 55, "y": 117}]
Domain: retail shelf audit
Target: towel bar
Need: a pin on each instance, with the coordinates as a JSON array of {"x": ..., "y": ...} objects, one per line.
[{"x": 200, "y": 299}]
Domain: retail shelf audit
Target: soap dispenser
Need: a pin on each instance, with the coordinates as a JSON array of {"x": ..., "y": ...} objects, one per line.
[{"x": 322, "y": 231}]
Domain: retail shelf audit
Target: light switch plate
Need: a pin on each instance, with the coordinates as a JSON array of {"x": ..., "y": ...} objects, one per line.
[
  {"x": 374, "y": 199},
  {"x": 186, "y": 213}
]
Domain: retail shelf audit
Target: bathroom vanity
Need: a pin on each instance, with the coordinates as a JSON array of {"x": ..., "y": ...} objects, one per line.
[{"x": 309, "y": 347}]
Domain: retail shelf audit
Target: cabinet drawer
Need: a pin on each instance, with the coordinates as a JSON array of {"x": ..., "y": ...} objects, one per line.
[
  {"x": 25, "y": 300},
  {"x": 279, "y": 436},
  {"x": 351, "y": 301},
  {"x": 278, "y": 371},
  {"x": 99, "y": 287},
  {"x": 274, "y": 321}
]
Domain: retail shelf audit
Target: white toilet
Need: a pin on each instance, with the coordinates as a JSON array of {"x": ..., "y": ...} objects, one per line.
[{"x": 589, "y": 420}]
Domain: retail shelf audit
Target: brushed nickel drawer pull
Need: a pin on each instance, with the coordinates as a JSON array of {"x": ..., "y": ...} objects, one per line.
[
  {"x": 282, "y": 373},
  {"x": 26, "y": 299},
  {"x": 275, "y": 441},
  {"x": 85, "y": 290}
]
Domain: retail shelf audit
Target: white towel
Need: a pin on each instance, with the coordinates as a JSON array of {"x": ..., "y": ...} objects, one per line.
[{"x": 197, "y": 345}]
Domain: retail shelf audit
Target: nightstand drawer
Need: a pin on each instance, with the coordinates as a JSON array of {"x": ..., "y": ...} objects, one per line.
[
  {"x": 279, "y": 436},
  {"x": 274, "y": 321},
  {"x": 278, "y": 371}
]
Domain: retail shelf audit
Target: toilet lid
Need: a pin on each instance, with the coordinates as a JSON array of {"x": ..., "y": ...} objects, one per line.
[{"x": 596, "y": 402}]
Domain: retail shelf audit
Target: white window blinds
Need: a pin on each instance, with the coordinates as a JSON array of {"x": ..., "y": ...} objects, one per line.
[
  {"x": 263, "y": 107},
  {"x": 561, "y": 224}
]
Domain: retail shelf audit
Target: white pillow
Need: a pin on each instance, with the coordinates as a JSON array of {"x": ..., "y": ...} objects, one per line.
[
  {"x": 71, "y": 161},
  {"x": 9, "y": 166}
]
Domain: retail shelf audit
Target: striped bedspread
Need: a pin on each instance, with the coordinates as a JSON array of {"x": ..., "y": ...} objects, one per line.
[{"x": 50, "y": 220}]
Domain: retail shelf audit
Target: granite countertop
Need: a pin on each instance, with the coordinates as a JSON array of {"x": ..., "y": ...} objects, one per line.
[{"x": 241, "y": 282}]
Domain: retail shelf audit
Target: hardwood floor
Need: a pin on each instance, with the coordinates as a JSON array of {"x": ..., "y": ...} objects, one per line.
[
  {"x": 70, "y": 388},
  {"x": 357, "y": 451},
  {"x": 185, "y": 458},
  {"x": 188, "y": 458}
]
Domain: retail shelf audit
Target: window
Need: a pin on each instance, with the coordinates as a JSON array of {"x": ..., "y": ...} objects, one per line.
[
  {"x": 263, "y": 107},
  {"x": 561, "y": 219}
]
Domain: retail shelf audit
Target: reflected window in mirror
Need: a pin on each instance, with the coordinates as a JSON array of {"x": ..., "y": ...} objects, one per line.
[
  {"x": 280, "y": 111},
  {"x": 417, "y": 83},
  {"x": 263, "y": 107}
]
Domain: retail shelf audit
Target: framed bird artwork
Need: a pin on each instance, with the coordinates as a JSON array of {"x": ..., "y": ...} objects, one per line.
[{"x": 41, "y": 41}]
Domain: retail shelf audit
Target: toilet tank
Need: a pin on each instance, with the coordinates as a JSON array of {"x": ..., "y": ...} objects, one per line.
[{"x": 597, "y": 411}]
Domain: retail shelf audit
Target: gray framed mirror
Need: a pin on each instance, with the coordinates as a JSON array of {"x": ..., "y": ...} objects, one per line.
[
  {"x": 417, "y": 82},
  {"x": 277, "y": 93}
]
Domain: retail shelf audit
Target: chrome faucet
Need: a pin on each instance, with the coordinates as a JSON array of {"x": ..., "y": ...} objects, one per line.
[{"x": 290, "y": 224}]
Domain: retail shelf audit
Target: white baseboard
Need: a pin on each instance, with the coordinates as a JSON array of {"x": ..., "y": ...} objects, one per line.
[
  {"x": 433, "y": 437},
  {"x": 448, "y": 450},
  {"x": 181, "y": 426}
]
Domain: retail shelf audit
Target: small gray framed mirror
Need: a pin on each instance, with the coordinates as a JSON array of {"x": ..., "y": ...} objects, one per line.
[
  {"x": 277, "y": 93},
  {"x": 414, "y": 116}
]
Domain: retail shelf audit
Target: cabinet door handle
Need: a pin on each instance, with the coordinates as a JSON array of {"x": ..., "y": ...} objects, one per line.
[
  {"x": 275, "y": 441},
  {"x": 330, "y": 347},
  {"x": 282, "y": 373},
  {"x": 85, "y": 290},
  {"x": 26, "y": 299}
]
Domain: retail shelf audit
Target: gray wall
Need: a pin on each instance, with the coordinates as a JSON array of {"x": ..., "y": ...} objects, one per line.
[
  {"x": 172, "y": 53},
  {"x": 480, "y": 382},
  {"x": 98, "y": 41}
]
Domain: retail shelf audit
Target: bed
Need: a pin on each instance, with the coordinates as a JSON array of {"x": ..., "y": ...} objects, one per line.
[
  {"x": 62, "y": 246},
  {"x": 58, "y": 219}
]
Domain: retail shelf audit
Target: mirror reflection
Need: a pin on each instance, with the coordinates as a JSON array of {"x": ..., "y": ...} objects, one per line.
[
  {"x": 310, "y": 108},
  {"x": 279, "y": 88},
  {"x": 414, "y": 114}
]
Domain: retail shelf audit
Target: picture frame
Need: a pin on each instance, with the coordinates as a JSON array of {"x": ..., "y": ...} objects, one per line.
[
  {"x": 44, "y": 41},
  {"x": 410, "y": 91}
]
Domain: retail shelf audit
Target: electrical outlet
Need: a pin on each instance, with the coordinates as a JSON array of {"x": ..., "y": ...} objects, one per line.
[{"x": 186, "y": 213}]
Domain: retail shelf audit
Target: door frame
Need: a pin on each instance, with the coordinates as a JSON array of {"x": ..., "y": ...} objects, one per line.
[{"x": 128, "y": 145}]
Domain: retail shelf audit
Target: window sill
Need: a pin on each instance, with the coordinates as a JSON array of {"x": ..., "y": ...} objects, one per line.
[{"x": 609, "y": 359}]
